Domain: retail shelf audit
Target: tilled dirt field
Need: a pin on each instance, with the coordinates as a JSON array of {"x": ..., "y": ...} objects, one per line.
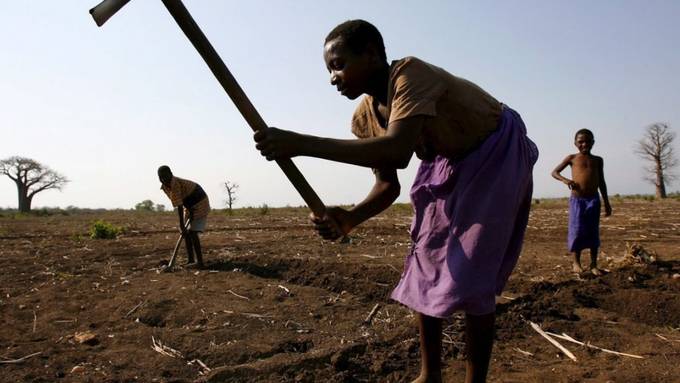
[{"x": 277, "y": 304}]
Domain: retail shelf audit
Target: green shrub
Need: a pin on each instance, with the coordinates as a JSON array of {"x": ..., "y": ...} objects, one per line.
[
  {"x": 402, "y": 208},
  {"x": 104, "y": 230},
  {"x": 264, "y": 209},
  {"x": 42, "y": 212},
  {"x": 674, "y": 195},
  {"x": 146, "y": 205}
]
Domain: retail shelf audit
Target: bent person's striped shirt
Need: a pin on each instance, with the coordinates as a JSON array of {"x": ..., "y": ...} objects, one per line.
[{"x": 188, "y": 194}]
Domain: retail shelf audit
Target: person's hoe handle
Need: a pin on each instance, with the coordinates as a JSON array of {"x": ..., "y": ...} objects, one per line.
[
  {"x": 104, "y": 10},
  {"x": 108, "y": 8},
  {"x": 171, "y": 264}
]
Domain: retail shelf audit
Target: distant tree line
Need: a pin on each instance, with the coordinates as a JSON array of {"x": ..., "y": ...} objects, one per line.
[
  {"x": 31, "y": 177},
  {"x": 148, "y": 205}
]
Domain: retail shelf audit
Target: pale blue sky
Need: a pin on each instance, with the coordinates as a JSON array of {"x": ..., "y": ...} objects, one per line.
[{"x": 106, "y": 106}]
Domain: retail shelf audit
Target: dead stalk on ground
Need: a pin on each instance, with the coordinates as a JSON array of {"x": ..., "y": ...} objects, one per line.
[
  {"x": 159, "y": 347},
  {"x": 252, "y": 315},
  {"x": 205, "y": 369},
  {"x": 555, "y": 343},
  {"x": 587, "y": 344},
  {"x": 237, "y": 295},
  {"x": 284, "y": 289},
  {"x": 527, "y": 353},
  {"x": 140, "y": 304},
  {"x": 667, "y": 339},
  {"x": 20, "y": 360},
  {"x": 370, "y": 316}
]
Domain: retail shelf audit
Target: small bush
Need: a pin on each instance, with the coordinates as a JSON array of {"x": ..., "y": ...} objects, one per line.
[
  {"x": 264, "y": 209},
  {"x": 18, "y": 215},
  {"x": 146, "y": 205},
  {"x": 104, "y": 230},
  {"x": 42, "y": 212},
  {"x": 402, "y": 208}
]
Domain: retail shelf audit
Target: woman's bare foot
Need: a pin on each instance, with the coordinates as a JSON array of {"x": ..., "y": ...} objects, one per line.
[
  {"x": 596, "y": 271},
  {"x": 577, "y": 268}
]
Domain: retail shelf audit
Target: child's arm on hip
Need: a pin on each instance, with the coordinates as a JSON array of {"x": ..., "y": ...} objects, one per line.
[{"x": 558, "y": 169}]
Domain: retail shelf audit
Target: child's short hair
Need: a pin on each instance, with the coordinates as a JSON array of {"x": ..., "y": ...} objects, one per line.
[
  {"x": 357, "y": 34},
  {"x": 586, "y": 132},
  {"x": 164, "y": 169}
]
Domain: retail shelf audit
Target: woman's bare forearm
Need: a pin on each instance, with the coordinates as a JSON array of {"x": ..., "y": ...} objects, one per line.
[
  {"x": 391, "y": 151},
  {"x": 381, "y": 196},
  {"x": 378, "y": 152}
]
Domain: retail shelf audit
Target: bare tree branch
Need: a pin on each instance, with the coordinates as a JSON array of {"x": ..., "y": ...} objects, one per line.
[
  {"x": 656, "y": 147},
  {"x": 31, "y": 178},
  {"x": 230, "y": 188}
]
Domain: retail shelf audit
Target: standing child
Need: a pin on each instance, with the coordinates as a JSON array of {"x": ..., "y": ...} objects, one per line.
[
  {"x": 587, "y": 173},
  {"x": 188, "y": 197},
  {"x": 471, "y": 196}
]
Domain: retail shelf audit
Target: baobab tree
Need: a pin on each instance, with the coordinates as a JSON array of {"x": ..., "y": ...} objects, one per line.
[
  {"x": 230, "y": 188},
  {"x": 656, "y": 147},
  {"x": 31, "y": 178}
]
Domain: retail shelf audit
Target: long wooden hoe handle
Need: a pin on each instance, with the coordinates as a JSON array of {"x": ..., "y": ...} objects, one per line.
[
  {"x": 171, "y": 264},
  {"x": 174, "y": 252},
  {"x": 221, "y": 72}
]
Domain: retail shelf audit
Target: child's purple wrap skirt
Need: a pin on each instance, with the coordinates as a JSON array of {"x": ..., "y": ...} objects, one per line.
[{"x": 584, "y": 223}]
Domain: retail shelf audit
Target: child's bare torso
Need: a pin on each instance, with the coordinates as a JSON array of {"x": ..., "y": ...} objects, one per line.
[{"x": 585, "y": 172}]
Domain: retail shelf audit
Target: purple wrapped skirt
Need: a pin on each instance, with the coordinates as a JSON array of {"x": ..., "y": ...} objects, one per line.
[
  {"x": 584, "y": 223},
  {"x": 469, "y": 223}
]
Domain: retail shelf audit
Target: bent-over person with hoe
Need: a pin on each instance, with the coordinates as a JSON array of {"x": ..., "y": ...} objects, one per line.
[
  {"x": 189, "y": 198},
  {"x": 471, "y": 195}
]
